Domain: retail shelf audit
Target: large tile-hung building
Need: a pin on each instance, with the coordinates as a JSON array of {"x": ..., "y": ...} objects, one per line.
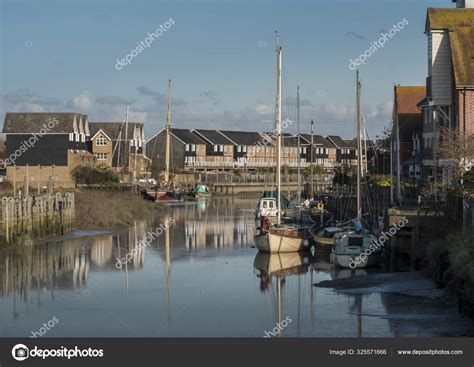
[
  {"x": 450, "y": 81},
  {"x": 251, "y": 149},
  {"x": 188, "y": 151},
  {"x": 45, "y": 146},
  {"x": 219, "y": 148},
  {"x": 346, "y": 154},
  {"x": 324, "y": 151}
]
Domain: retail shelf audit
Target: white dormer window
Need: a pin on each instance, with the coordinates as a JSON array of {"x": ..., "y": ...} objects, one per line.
[
  {"x": 221, "y": 148},
  {"x": 244, "y": 149},
  {"x": 71, "y": 136},
  {"x": 101, "y": 141},
  {"x": 193, "y": 147},
  {"x": 216, "y": 148},
  {"x": 186, "y": 147},
  {"x": 239, "y": 149},
  {"x": 83, "y": 138},
  {"x": 76, "y": 137}
]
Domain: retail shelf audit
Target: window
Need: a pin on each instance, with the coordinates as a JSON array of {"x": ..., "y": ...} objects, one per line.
[
  {"x": 101, "y": 141},
  {"x": 239, "y": 149},
  {"x": 221, "y": 148},
  {"x": 244, "y": 149},
  {"x": 193, "y": 147},
  {"x": 186, "y": 147},
  {"x": 270, "y": 204},
  {"x": 216, "y": 148},
  {"x": 101, "y": 156},
  {"x": 265, "y": 205}
]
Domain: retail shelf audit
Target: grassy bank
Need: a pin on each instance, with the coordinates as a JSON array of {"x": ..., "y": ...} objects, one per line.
[
  {"x": 451, "y": 263},
  {"x": 110, "y": 210}
]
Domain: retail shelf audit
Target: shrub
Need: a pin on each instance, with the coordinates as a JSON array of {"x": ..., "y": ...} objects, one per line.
[{"x": 102, "y": 174}]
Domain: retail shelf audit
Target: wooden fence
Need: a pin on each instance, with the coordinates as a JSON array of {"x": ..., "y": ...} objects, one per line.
[{"x": 25, "y": 218}]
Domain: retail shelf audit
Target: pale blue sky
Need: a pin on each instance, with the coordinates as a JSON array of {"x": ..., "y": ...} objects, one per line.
[{"x": 60, "y": 56}]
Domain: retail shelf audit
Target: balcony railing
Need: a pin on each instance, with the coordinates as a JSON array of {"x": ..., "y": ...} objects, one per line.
[{"x": 251, "y": 164}]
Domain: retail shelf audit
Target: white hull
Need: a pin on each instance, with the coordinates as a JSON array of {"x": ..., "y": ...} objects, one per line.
[{"x": 275, "y": 243}]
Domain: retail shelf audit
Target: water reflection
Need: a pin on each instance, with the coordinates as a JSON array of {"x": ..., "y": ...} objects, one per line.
[
  {"x": 202, "y": 277},
  {"x": 279, "y": 266}
]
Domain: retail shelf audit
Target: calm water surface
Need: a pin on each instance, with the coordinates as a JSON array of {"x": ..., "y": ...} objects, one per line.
[{"x": 204, "y": 278}]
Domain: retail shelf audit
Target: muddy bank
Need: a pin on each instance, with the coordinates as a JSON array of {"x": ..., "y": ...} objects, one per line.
[
  {"x": 414, "y": 305},
  {"x": 112, "y": 210}
]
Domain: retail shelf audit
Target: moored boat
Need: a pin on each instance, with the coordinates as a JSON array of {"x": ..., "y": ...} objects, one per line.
[
  {"x": 355, "y": 250},
  {"x": 201, "y": 191},
  {"x": 324, "y": 238},
  {"x": 162, "y": 195}
]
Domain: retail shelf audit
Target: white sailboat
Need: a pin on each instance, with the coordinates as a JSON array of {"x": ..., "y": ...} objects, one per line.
[
  {"x": 281, "y": 238},
  {"x": 351, "y": 245}
]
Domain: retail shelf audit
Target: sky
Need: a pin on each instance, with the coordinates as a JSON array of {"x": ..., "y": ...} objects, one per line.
[{"x": 62, "y": 56}]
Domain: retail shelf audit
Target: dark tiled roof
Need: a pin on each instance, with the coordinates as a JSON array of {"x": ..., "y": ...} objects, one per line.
[
  {"x": 318, "y": 140},
  {"x": 462, "y": 53},
  {"x": 112, "y": 129},
  {"x": 33, "y": 122},
  {"x": 290, "y": 140},
  {"x": 213, "y": 136},
  {"x": 242, "y": 137},
  {"x": 186, "y": 136},
  {"x": 353, "y": 143},
  {"x": 338, "y": 141}
]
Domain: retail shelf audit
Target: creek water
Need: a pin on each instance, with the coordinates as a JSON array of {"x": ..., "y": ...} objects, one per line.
[{"x": 203, "y": 277}]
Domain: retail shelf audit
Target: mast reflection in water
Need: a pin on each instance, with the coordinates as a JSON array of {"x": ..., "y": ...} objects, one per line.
[{"x": 202, "y": 277}]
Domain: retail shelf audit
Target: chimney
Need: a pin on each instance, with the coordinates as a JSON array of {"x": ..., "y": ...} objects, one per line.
[{"x": 464, "y": 3}]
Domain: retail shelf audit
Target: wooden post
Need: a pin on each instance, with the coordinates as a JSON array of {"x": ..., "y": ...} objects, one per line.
[
  {"x": 14, "y": 180},
  {"x": 39, "y": 190}
]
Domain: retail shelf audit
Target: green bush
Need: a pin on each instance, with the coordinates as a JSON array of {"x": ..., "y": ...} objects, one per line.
[{"x": 102, "y": 174}]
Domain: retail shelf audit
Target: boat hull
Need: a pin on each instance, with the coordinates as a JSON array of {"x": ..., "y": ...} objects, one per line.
[
  {"x": 323, "y": 243},
  {"x": 277, "y": 243},
  {"x": 347, "y": 261},
  {"x": 162, "y": 195}
]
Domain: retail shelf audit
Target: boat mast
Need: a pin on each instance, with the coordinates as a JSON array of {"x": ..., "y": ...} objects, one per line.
[
  {"x": 312, "y": 161},
  {"x": 364, "y": 126},
  {"x": 127, "y": 143},
  {"x": 168, "y": 137},
  {"x": 299, "y": 141},
  {"x": 278, "y": 125},
  {"x": 359, "y": 151}
]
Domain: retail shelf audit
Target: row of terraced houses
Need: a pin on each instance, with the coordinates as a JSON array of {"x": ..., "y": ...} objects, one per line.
[
  {"x": 45, "y": 146},
  {"x": 420, "y": 113}
]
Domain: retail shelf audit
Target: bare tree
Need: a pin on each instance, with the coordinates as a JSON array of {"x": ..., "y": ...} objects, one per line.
[{"x": 456, "y": 148}]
